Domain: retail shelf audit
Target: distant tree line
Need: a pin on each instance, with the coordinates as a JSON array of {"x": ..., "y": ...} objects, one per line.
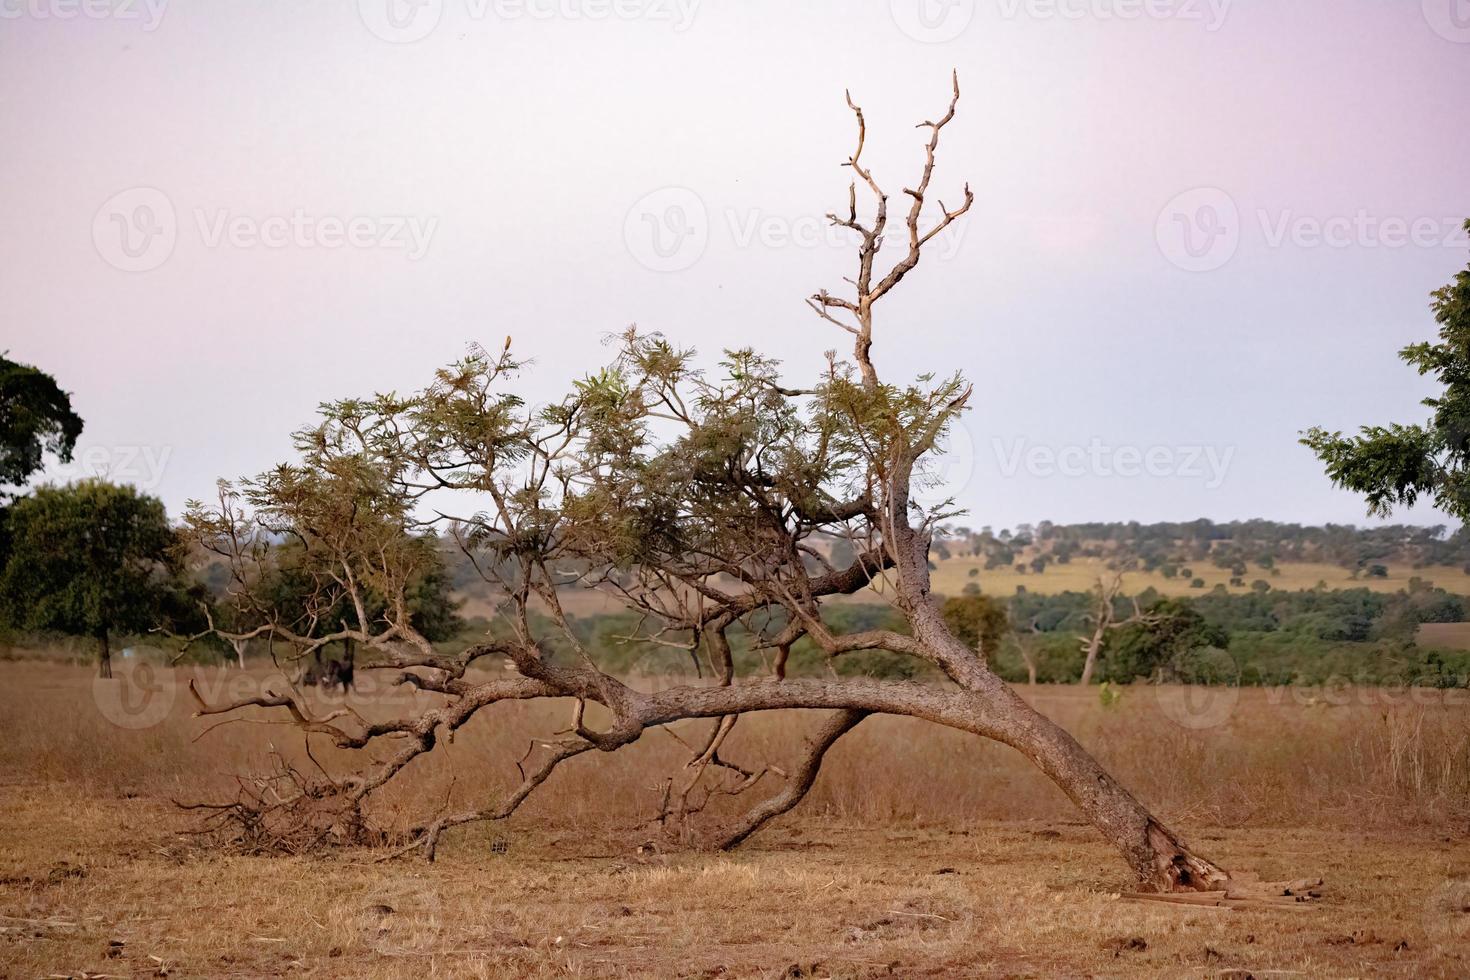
[
  {"x": 101, "y": 562},
  {"x": 1171, "y": 548}
]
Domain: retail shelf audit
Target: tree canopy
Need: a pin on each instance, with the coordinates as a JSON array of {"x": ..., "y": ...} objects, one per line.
[
  {"x": 91, "y": 559},
  {"x": 1394, "y": 465},
  {"x": 36, "y": 420}
]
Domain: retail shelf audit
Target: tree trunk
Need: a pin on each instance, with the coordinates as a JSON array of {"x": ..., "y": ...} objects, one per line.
[
  {"x": 104, "y": 655},
  {"x": 1156, "y": 855},
  {"x": 1090, "y": 663},
  {"x": 800, "y": 783},
  {"x": 983, "y": 705}
]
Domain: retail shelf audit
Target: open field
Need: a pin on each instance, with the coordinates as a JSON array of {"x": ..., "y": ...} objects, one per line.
[
  {"x": 921, "y": 852},
  {"x": 1081, "y": 574}
]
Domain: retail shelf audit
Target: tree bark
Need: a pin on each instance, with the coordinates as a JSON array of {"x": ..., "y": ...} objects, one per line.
[
  {"x": 1090, "y": 663},
  {"x": 1158, "y": 858},
  {"x": 801, "y": 781}
]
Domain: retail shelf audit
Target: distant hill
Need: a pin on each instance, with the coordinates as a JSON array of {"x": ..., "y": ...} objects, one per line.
[
  {"x": 1187, "y": 558},
  {"x": 1176, "y": 559}
]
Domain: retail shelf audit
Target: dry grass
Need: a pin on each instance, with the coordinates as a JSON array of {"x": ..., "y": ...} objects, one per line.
[
  {"x": 1369, "y": 788},
  {"x": 1080, "y": 575}
]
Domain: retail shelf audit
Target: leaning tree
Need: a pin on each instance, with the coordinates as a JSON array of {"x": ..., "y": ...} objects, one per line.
[{"x": 705, "y": 500}]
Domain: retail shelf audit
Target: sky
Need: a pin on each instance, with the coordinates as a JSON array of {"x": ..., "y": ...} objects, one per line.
[{"x": 1200, "y": 226}]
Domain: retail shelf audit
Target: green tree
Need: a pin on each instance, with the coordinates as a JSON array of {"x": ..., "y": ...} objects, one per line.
[
  {"x": 1172, "y": 630},
  {"x": 90, "y": 559},
  {"x": 978, "y": 620},
  {"x": 36, "y": 420},
  {"x": 1394, "y": 465}
]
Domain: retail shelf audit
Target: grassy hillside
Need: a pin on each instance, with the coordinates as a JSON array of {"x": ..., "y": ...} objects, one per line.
[{"x": 1079, "y": 575}]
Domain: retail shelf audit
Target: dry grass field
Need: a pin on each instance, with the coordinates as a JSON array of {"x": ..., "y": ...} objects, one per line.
[
  {"x": 951, "y": 575},
  {"x": 921, "y": 852},
  {"x": 1082, "y": 574}
]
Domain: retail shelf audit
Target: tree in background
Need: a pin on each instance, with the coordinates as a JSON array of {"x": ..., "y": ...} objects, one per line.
[
  {"x": 1159, "y": 644},
  {"x": 1394, "y": 465},
  {"x": 290, "y": 576},
  {"x": 978, "y": 620},
  {"x": 90, "y": 559},
  {"x": 1104, "y": 619},
  {"x": 36, "y": 420}
]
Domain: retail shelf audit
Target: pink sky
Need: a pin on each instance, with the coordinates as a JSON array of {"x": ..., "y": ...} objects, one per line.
[{"x": 348, "y": 212}]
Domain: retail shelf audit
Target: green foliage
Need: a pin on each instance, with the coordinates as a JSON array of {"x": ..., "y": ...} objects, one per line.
[
  {"x": 1148, "y": 649},
  {"x": 36, "y": 420},
  {"x": 91, "y": 559},
  {"x": 1394, "y": 465},
  {"x": 978, "y": 621}
]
